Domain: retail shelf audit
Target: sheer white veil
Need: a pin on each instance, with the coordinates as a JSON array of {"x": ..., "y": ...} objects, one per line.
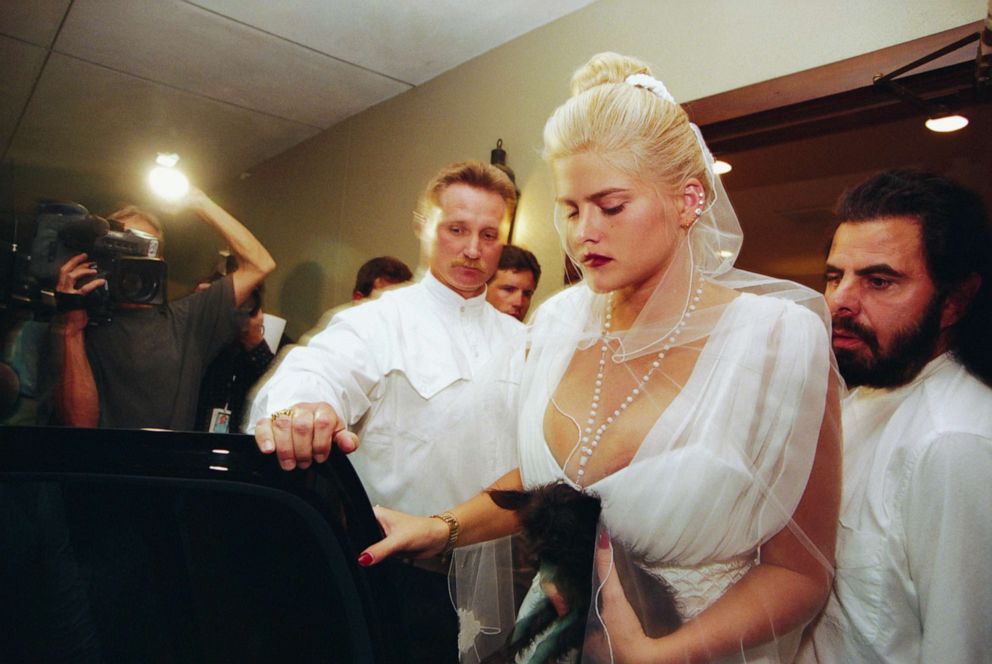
[{"x": 723, "y": 465}]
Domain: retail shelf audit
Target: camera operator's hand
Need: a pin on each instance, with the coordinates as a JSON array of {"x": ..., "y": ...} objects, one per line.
[
  {"x": 70, "y": 273},
  {"x": 76, "y": 399},
  {"x": 75, "y": 269},
  {"x": 303, "y": 434}
]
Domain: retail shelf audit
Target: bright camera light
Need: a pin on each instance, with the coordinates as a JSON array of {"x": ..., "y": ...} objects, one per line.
[
  {"x": 168, "y": 183},
  {"x": 947, "y": 123},
  {"x": 720, "y": 167},
  {"x": 167, "y": 159}
]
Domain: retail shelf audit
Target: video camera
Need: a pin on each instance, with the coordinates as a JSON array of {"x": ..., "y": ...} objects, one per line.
[{"x": 127, "y": 258}]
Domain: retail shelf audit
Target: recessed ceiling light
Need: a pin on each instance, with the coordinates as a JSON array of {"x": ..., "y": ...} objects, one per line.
[
  {"x": 947, "y": 123},
  {"x": 720, "y": 167}
]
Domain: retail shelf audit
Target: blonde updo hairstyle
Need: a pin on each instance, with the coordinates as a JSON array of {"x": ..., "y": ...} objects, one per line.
[{"x": 632, "y": 128}]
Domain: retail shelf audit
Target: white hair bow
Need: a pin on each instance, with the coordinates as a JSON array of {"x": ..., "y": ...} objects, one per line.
[{"x": 652, "y": 84}]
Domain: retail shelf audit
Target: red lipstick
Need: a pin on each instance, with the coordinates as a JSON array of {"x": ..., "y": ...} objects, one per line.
[{"x": 595, "y": 260}]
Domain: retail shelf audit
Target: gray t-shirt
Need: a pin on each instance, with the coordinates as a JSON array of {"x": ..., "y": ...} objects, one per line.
[{"x": 148, "y": 362}]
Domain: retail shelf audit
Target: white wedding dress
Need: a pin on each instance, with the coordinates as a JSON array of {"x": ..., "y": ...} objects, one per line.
[{"x": 724, "y": 465}]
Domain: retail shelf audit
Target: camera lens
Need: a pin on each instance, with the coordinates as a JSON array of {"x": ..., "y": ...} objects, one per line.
[
  {"x": 135, "y": 288},
  {"x": 140, "y": 281}
]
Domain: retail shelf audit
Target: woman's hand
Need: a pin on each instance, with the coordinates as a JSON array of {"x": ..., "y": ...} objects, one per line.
[
  {"x": 623, "y": 635},
  {"x": 555, "y": 596},
  {"x": 413, "y": 536}
]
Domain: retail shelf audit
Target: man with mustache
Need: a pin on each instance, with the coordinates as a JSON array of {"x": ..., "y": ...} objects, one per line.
[
  {"x": 909, "y": 287},
  {"x": 418, "y": 385}
]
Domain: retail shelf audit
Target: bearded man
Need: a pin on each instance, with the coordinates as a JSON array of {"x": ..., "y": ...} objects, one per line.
[{"x": 908, "y": 282}]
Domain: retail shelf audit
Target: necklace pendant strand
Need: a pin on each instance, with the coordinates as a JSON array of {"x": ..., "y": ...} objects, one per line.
[{"x": 590, "y": 437}]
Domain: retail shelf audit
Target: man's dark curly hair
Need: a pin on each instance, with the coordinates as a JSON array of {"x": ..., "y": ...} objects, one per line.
[{"x": 957, "y": 242}]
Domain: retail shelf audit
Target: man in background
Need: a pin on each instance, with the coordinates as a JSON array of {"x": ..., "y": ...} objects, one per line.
[
  {"x": 373, "y": 277},
  {"x": 237, "y": 367},
  {"x": 512, "y": 287},
  {"x": 378, "y": 273},
  {"x": 909, "y": 285}
]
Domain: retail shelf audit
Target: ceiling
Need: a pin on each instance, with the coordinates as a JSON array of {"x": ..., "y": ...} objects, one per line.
[{"x": 94, "y": 88}]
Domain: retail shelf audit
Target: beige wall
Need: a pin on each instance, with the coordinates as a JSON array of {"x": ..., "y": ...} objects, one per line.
[{"x": 325, "y": 206}]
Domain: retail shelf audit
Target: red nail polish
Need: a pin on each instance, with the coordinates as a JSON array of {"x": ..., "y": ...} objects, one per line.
[
  {"x": 604, "y": 540},
  {"x": 366, "y": 559}
]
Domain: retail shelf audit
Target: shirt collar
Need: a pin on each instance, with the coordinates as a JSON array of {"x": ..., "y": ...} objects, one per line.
[{"x": 449, "y": 298}]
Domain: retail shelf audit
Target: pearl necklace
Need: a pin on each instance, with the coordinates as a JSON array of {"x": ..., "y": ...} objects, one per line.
[{"x": 590, "y": 438}]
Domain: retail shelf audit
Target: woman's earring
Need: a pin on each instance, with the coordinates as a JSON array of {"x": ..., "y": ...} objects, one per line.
[{"x": 698, "y": 212}]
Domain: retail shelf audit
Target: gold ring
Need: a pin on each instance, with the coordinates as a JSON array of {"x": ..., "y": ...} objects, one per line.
[{"x": 288, "y": 412}]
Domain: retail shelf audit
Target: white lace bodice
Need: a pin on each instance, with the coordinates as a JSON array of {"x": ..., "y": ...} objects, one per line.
[{"x": 698, "y": 586}]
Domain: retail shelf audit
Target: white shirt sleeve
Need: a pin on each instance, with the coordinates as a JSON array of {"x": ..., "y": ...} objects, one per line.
[
  {"x": 949, "y": 547},
  {"x": 337, "y": 367}
]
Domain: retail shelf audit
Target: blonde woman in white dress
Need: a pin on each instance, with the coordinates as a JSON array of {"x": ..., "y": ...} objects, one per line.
[{"x": 697, "y": 401}]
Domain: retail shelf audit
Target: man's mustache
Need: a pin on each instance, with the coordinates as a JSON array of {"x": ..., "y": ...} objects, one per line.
[
  {"x": 851, "y": 326},
  {"x": 475, "y": 265}
]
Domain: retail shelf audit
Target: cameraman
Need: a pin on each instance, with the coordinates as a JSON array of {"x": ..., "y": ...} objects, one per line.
[{"x": 143, "y": 369}]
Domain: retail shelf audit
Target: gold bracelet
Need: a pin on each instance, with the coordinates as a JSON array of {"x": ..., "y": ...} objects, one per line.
[{"x": 453, "y": 529}]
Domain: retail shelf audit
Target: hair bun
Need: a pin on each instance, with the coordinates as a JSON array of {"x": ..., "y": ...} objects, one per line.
[{"x": 605, "y": 68}]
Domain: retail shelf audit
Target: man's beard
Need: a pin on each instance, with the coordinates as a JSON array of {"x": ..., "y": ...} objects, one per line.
[{"x": 911, "y": 349}]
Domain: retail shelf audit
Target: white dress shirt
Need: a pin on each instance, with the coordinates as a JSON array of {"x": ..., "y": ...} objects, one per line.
[
  {"x": 428, "y": 381},
  {"x": 915, "y": 540}
]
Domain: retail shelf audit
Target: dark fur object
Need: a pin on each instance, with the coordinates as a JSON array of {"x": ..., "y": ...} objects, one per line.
[{"x": 559, "y": 526}]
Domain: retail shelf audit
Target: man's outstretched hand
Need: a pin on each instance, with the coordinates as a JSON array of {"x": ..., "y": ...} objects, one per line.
[{"x": 303, "y": 434}]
